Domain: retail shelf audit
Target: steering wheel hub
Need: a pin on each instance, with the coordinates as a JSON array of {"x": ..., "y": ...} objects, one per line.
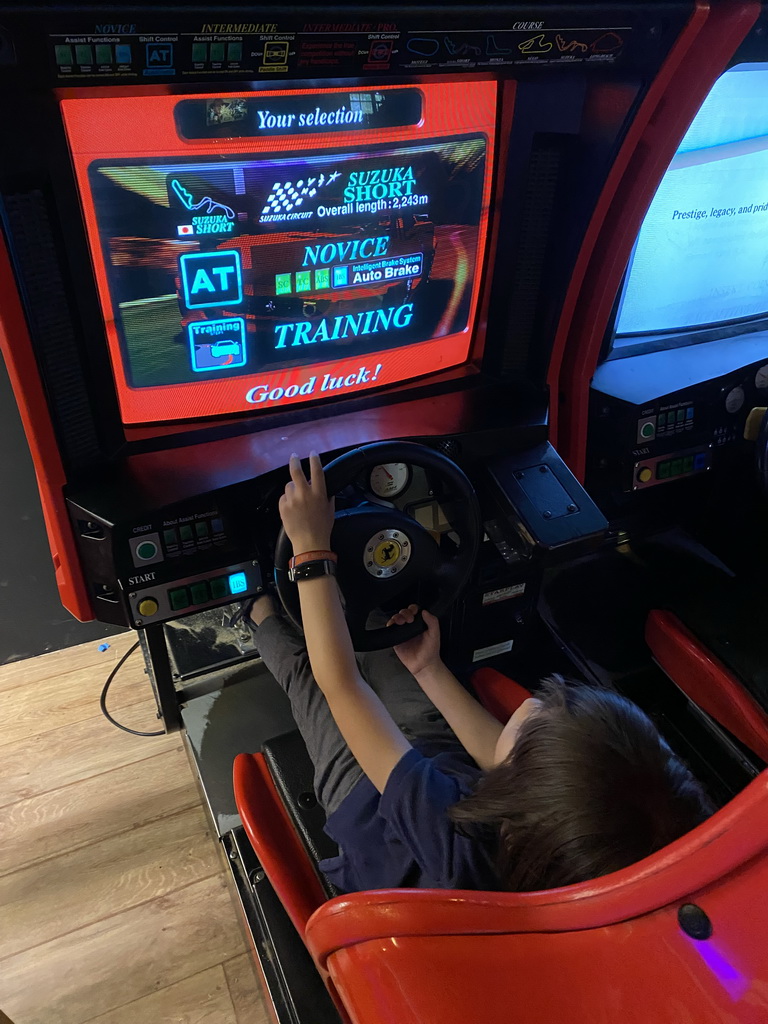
[{"x": 386, "y": 553}]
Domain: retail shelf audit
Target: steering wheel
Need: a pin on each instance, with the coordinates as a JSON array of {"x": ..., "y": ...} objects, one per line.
[{"x": 386, "y": 558}]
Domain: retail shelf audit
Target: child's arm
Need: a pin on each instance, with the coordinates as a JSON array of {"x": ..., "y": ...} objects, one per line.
[
  {"x": 375, "y": 741},
  {"x": 477, "y": 730}
]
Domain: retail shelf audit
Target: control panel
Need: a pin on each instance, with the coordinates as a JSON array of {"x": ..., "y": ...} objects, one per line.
[
  {"x": 154, "y": 566},
  {"x": 157, "y": 602},
  {"x": 659, "y": 439}
]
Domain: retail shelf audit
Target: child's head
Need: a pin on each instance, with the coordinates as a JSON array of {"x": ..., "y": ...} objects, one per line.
[{"x": 588, "y": 787}]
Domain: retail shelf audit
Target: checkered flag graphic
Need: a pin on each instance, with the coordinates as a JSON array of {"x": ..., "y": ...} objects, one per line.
[{"x": 288, "y": 195}]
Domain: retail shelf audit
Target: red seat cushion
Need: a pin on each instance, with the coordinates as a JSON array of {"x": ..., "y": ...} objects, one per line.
[{"x": 707, "y": 681}]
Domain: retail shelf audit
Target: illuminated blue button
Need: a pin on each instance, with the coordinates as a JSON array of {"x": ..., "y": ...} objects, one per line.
[
  {"x": 237, "y": 583},
  {"x": 211, "y": 279},
  {"x": 123, "y": 53},
  {"x": 701, "y": 461}
]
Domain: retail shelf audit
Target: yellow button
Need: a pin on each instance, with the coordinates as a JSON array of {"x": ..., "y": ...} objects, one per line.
[
  {"x": 644, "y": 475},
  {"x": 148, "y": 606}
]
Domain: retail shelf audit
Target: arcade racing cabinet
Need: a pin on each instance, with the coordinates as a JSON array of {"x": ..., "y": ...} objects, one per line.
[{"x": 500, "y": 266}]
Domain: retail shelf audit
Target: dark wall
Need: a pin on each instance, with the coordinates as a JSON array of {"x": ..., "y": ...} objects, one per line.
[{"x": 32, "y": 620}]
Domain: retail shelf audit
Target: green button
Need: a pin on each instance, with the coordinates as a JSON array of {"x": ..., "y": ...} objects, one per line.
[
  {"x": 323, "y": 278},
  {"x": 647, "y": 430},
  {"x": 147, "y": 549},
  {"x": 680, "y": 415},
  {"x": 185, "y": 532},
  {"x": 103, "y": 54},
  {"x": 199, "y": 52},
  {"x": 199, "y": 592},
  {"x": 84, "y": 55},
  {"x": 235, "y": 51},
  {"x": 662, "y": 470},
  {"x": 303, "y": 280},
  {"x": 63, "y": 54},
  {"x": 219, "y": 587},
  {"x": 688, "y": 464},
  {"x": 170, "y": 538},
  {"x": 178, "y": 598},
  {"x": 201, "y": 528},
  {"x": 677, "y": 467},
  {"x": 217, "y": 51}
]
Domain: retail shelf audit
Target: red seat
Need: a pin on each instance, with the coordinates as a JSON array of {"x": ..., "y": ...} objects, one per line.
[
  {"x": 610, "y": 950},
  {"x": 707, "y": 681}
]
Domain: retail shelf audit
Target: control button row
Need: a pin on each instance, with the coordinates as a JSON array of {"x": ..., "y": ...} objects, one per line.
[
  {"x": 87, "y": 55},
  {"x": 190, "y": 536},
  {"x": 203, "y": 591},
  {"x": 218, "y": 52}
]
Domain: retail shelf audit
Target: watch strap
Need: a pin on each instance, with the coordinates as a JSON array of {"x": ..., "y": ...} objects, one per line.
[{"x": 312, "y": 570}]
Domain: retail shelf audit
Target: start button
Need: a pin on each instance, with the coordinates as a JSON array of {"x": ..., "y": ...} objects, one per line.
[
  {"x": 147, "y": 607},
  {"x": 644, "y": 474}
]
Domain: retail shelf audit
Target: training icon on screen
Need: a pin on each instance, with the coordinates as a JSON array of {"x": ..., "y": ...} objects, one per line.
[{"x": 217, "y": 344}]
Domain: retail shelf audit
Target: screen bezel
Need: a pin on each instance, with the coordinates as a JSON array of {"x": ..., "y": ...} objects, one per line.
[{"x": 450, "y": 109}]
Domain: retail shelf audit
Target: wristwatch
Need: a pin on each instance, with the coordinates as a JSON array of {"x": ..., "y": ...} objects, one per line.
[{"x": 312, "y": 570}]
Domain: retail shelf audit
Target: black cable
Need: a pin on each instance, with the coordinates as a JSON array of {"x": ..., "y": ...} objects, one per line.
[{"x": 103, "y": 697}]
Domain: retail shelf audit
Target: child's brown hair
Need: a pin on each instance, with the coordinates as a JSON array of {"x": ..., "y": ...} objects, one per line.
[{"x": 589, "y": 787}]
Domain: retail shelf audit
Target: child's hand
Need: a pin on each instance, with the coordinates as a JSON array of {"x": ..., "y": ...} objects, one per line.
[
  {"x": 424, "y": 650},
  {"x": 306, "y": 509}
]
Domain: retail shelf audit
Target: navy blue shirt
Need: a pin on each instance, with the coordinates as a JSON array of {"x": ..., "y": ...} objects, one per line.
[{"x": 403, "y": 836}]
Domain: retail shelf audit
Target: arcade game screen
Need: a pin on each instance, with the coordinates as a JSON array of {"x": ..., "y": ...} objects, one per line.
[
  {"x": 307, "y": 268},
  {"x": 701, "y": 252}
]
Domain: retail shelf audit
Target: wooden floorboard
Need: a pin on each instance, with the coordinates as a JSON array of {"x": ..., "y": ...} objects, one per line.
[{"x": 113, "y": 901}]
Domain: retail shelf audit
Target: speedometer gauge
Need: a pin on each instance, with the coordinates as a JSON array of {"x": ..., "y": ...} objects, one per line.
[{"x": 390, "y": 479}]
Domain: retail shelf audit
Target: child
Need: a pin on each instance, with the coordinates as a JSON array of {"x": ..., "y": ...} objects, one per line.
[{"x": 424, "y": 788}]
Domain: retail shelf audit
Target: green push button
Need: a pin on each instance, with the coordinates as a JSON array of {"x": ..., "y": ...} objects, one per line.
[
  {"x": 185, "y": 532},
  {"x": 147, "y": 549},
  {"x": 201, "y": 529},
  {"x": 235, "y": 51},
  {"x": 103, "y": 54},
  {"x": 199, "y": 592},
  {"x": 647, "y": 430},
  {"x": 219, "y": 587},
  {"x": 677, "y": 467},
  {"x": 217, "y": 51},
  {"x": 662, "y": 470},
  {"x": 178, "y": 598},
  {"x": 84, "y": 55},
  {"x": 199, "y": 52},
  {"x": 688, "y": 464},
  {"x": 63, "y": 54}
]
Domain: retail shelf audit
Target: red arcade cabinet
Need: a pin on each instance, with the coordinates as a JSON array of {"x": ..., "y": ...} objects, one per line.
[{"x": 502, "y": 267}]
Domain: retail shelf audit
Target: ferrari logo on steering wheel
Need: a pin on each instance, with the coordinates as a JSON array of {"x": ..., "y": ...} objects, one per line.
[{"x": 386, "y": 553}]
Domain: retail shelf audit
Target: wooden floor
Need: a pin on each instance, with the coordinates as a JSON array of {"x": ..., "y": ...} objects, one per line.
[{"x": 113, "y": 903}]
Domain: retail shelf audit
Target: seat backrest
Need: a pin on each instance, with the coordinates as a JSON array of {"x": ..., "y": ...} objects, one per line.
[
  {"x": 620, "y": 948},
  {"x": 707, "y": 681}
]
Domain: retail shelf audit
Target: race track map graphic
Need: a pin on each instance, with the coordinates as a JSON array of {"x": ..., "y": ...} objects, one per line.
[{"x": 250, "y": 264}]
